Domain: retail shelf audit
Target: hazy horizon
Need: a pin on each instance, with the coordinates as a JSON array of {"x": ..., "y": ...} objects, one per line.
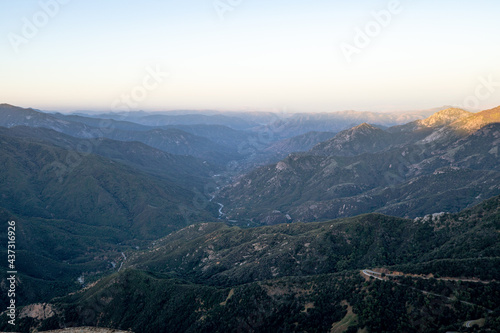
[
  {"x": 215, "y": 112},
  {"x": 288, "y": 56}
]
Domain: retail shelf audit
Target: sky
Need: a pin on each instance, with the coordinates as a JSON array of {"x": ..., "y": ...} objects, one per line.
[{"x": 249, "y": 55}]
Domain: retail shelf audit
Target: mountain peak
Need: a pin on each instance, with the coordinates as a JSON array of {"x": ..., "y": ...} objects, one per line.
[
  {"x": 451, "y": 111},
  {"x": 476, "y": 121},
  {"x": 363, "y": 129},
  {"x": 364, "y": 125},
  {"x": 10, "y": 106},
  {"x": 445, "y": 117},
  {"x": 356, "y": 140}
]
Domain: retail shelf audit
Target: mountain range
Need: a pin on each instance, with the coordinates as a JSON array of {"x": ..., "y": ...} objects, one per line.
[
  {"x": 253, "y": 222},
  {"x": 445, "y": 163}
]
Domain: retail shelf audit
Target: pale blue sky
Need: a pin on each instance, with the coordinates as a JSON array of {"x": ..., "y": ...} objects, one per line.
[{"x": 264, "y": 55}]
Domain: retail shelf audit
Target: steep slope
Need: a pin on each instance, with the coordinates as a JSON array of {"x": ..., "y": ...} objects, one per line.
[
  {"x": 439, "y": 119},
  {"x": 52, "y": 254},
  {"x": 229, "y": 255},
  {"x": 76, "y": 212},
  {"x": 476, "y": 121},
  {"x": 305, "y": 187},
  {"x": 416, "y": 197},
  {"x": 444, "y": 117},
  {"x": 366, "y": 138},
  {"x": 363, "y": 138},
  {"x": 45, "y": 181},
  {"x": 329, "y": 303},
  {"x": 185, "y": 171},
  {"x": 465, "y": 126}
]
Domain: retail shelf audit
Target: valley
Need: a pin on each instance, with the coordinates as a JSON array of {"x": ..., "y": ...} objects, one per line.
[{"x": 219, "y": 222}]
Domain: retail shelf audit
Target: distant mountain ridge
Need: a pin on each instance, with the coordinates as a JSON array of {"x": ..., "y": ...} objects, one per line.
[
  {"x": 220, "y": 138},
  {"x": 366, "y": 169},
  {"x": 359, "y": 139},
  {"x": 186, "y": 170},
  {"x": 171, "y": 140},
  {"x": 300, "y": 123},
  {"x": 300, "y": 143}
]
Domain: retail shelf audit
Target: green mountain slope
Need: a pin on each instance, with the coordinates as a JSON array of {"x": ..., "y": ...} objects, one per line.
[
  {"x": 229, "y": 255},
  {"x": 214, "y": 278},
  {"x": 185, "y": 171},
  {"x": 76, "y": 212},
  {"x": 105, "y": 233},
  {"x": 345, "y": 302},
  {"x": 47, "y": 181}
]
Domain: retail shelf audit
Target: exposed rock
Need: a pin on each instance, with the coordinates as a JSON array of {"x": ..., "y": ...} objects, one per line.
[{"x": 38, "y": 311}]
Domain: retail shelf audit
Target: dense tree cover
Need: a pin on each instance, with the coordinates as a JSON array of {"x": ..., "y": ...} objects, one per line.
[
  {"x": 211, "y": 277},
  {"x": 146, "y": 302},
  {"x": 77, "y": 211},
  {"x": 465, "y": 244},
  {"x": 481, "y": 268}
]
